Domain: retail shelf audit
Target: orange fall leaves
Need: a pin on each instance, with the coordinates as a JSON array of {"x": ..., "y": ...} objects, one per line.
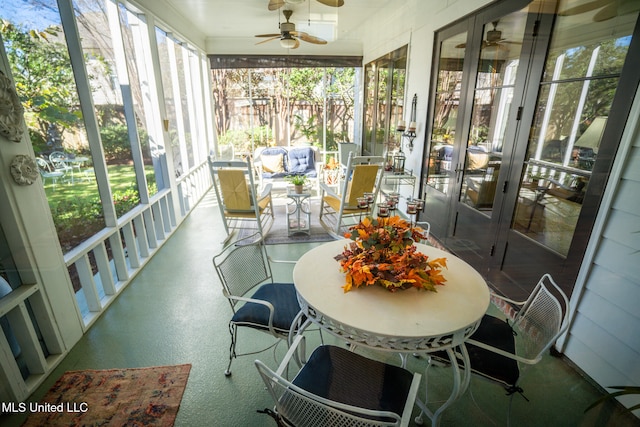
[{"x": 382, "y": 253}]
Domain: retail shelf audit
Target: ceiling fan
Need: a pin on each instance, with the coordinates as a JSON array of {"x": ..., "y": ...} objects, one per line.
[
  {"x": 289, "y": 37},
  {"x": 608, "y": 9},
  {"x": 494, "y": 38},
  {"x": 277, "y": 4}
]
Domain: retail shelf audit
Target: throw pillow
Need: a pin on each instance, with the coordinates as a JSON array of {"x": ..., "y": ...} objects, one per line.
[{"x": 272, "y": 163}]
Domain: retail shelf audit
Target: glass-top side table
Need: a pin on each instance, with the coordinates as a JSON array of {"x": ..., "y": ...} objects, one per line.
[{"x": 298, "y": 212}]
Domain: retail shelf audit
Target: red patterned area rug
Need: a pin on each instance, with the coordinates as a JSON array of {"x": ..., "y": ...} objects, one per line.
[{"x": 115, "y": 397}]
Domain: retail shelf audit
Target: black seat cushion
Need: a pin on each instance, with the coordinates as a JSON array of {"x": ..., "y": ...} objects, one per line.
[
  {"x": 497, "y": 333},
  {"x": 284, "y": 300},
  {"x": 346, "y": 377}
]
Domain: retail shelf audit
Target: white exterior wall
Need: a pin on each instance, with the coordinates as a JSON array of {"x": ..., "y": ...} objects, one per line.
[{"x": 604, "y": 337}]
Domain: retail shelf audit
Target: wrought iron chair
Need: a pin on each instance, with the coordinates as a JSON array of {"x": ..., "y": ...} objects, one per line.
[
  {"x": 59, "y": 161},
  {"x": 47, "y": 171},
  {"x": 501, "y": 350},
  {"x": 362, "y": 175},
  {"x": 236, "y": 194},
  {"x": 256, "y": 301},
  {"x": 337, "y": 387}
]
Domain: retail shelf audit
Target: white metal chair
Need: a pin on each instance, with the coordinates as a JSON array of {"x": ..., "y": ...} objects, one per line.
[
  {"x": 237, "y": 197},
  {"x": 501, "y": 350},
  {"x": 337, "y": 387},
  {"x": 256, "y": 301},
  {"x": 47, "y": 171},
  {"x": 362, "y": 175},
  {"x": 59, "y": 161}
]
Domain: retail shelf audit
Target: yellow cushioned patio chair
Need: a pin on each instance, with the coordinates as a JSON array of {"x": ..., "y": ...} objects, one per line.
[
  {"x": 363, "y": 174},
  {"x": 236, "y": 193}
]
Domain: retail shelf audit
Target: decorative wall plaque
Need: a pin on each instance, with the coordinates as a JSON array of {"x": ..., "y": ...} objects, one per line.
[
  {"x": 24, "y": 170},
  {"x": 10, "y": 111}
]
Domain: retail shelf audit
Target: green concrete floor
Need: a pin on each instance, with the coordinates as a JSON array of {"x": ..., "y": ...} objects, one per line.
[{"x": 174, "y": 312}]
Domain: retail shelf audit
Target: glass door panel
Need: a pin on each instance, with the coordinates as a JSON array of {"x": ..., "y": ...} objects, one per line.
[
  {"x": 580, "y": 78},
  {"x": 496, "y": 78},
  {"x": 445, "y": 116},
  {"x": 382, "y": 110}
]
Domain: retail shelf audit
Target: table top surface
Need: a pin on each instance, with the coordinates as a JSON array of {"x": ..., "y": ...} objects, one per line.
[{"x": 410, "y": 313}]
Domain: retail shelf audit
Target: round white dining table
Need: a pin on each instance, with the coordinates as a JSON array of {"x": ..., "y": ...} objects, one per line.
[{"x": 405, "y": 321}]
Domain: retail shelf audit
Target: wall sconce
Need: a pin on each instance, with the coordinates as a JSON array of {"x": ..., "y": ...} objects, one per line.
[{"x": 410, "y": 132}]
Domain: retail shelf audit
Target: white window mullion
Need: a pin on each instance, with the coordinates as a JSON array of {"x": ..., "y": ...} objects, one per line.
[{"x": 127, "y": 97}]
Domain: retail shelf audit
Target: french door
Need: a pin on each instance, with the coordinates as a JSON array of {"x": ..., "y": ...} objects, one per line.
[{"x": 522, "y": 136}]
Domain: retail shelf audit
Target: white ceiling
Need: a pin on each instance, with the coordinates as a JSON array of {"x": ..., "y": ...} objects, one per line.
[{"x": 230, "y": 26}]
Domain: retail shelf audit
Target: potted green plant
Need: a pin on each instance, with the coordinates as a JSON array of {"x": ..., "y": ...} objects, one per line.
[{"x": 298, "y": 182}]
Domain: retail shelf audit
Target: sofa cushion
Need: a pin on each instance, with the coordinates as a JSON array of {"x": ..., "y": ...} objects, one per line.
[{"x": 302, "y": 161}]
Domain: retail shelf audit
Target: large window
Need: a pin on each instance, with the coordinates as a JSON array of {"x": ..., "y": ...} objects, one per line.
[
  {"x": 41, "y": 67},
  {"x": 129, "y": 147},
  {"x": 580, "y": 79},
  {"x": 384, "y": 102},
  {"x": 284, "y": 106}
]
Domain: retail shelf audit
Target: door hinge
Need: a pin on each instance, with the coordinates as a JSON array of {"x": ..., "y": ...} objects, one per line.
[
  {"x": 536, "y": 27},
  {"x": 519, "y": 114},
  {"x": 492, "y": 250},
  {"x": 504, "y": 186}
]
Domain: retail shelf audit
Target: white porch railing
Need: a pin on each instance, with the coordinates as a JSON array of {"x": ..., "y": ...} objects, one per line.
[{"x": 101, "y": 267}]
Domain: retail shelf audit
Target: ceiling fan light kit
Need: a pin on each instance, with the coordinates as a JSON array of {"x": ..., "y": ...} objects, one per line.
[
  {"x": 288, "y": 36},
  {"x": 288, "y": 42}
]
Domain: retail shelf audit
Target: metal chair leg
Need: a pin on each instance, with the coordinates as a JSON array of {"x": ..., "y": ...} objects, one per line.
[{"x": 233, "y": 330}]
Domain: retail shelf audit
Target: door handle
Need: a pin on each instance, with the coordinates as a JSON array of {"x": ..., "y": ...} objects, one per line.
[{"x": 458, "y": 171}]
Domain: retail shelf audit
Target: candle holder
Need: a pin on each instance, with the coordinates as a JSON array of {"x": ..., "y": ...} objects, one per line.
[
  {"x": 413, "y": 207},
  {"x": 392, "y": 202},
  {"x": 398, "y": 162},
  {"x": 362, "y": 205},
  {"x": 369, "y": 197}
]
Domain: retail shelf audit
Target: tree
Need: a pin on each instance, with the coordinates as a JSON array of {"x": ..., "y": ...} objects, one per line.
[
  {"x": 286, "y": 99},
  {"x": 44, "y": 81}
]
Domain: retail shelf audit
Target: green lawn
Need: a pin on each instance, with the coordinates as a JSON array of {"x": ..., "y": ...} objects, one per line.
[
  {"x": 76, "y": 207},
  {"x": 84, "y": 187}
]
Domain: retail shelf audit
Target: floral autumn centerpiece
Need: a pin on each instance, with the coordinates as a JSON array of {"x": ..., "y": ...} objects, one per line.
[{"x": 383, "y": 253}]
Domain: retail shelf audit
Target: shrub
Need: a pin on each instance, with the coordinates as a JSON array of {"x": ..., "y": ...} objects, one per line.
[{"x": 116, "y": 145}]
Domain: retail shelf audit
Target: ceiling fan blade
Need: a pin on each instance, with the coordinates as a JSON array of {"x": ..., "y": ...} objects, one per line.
[
  {"x": 297, "y": 45},
  {"x": 332, "y": 3},
  {"x": 586, "y": 7},
  {"x": 275, "y": 4},
  {"x": 606, "y": 13},
  {"x": 309, "y": 38},
  {"x": 268, "y": 35},
  {"x": 268, "y": 40},
  {"x": 461, "y": 46}
]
